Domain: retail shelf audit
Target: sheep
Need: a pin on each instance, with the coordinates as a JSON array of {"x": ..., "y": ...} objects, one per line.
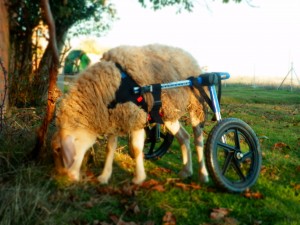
[{"x": 85, "y": 114}]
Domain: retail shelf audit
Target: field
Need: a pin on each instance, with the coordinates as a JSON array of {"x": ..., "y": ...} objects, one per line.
[{"x": 31, "y": 194}]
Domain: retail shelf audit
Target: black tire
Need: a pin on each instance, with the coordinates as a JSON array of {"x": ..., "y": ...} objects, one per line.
[
  {"x": 156, "y": 146},
  {"x": 233, "y": 155}
]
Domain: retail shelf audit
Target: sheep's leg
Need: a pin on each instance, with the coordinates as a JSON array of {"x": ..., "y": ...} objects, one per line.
[
  {"x": 137, "y": 144},
  {"x": 76, "y": 144},
  {"x": 110, "y": 150},
  {"x": 199, "y": 145},
  {"x": 184, "y": 140}
]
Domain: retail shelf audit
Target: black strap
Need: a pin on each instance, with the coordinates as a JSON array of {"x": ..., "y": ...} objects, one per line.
[
  {"x": 125, "y": 92},
  {"x": 201, "y": 90},
  {"x": 154, "y": 113},
  {"x": 207, "y": 81}
]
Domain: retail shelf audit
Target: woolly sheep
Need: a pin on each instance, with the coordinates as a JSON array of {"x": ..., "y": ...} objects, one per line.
[{"x": 84, "y": 113}]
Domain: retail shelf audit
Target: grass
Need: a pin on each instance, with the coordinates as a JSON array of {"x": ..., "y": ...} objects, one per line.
[{"x": 31, "y": 194}]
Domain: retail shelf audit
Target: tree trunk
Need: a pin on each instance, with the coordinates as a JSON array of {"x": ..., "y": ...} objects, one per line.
[
  {"x": 39, "y": 149},
  {"x": 20, "y": 71}
]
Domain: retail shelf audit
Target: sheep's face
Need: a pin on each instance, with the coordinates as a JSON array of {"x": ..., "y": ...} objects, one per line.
[{"x": 63, "y": 155}]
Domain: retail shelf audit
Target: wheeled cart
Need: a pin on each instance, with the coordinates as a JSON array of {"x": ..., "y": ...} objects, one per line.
[{"x": 232, "y": 151}]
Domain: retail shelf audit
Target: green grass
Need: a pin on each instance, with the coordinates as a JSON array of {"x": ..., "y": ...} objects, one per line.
[{"x": 30, "y": 194}]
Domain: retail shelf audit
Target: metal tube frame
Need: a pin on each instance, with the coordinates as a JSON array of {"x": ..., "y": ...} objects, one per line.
[{"x": 188, "y": 83}]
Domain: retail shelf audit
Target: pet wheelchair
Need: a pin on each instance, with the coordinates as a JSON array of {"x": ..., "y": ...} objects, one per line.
[{"x": 232, "y": 150}]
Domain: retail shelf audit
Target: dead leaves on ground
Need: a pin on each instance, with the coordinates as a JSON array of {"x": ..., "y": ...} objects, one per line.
[
  {"x": 253, "y": 195},
  {"x": 219, "y": 213},
  {"x": 280, "y": 146},
  {"x": 168, "y": 219},
  {"x": 128, "y": 191},
  {"x": 174, "y": 182},
  {"x": 152, "y": 185},
  {"x": 219, "y": 216}
]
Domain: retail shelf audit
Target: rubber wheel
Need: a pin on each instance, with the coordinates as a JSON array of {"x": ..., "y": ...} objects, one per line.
[
  {"x": 233, "y": 155},
  {"x": 156, "y": 146}
]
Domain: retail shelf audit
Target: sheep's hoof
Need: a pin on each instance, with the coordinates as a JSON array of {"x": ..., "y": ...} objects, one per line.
[
  {"x": 185, "y": 173},
  {"x": 102, "y": 179},
  {"x": 138, "y": 180},
  {"x": 203, "y": 175},
  {"x": 73, "y": 176},
  {"x": 203, "y": 178}
]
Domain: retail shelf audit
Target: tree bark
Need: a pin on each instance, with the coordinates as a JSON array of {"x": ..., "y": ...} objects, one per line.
[{"x": 39, "y": 149}]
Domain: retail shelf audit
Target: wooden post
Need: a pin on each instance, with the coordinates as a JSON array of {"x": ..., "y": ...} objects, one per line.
[{"x": 4, "y": 58}]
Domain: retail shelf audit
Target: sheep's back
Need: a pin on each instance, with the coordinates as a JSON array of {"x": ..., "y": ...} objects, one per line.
[{"x": 160, "y": 64}]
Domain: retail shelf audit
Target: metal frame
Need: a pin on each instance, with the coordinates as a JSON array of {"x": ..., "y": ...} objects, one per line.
[{"x": 206, "y": 79}]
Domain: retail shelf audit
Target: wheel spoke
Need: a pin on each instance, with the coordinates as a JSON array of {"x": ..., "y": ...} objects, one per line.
[
  {"x": 156, "y": 147},
  {"x": 226, "y": 147},
  {"x": 162, "y": 135},
  {"x": 227, "y": 162},
  {"x": 237, "y": 139},
  {"x": 236, "y": 166},
  {"x": 151, "y": 148},
  {"x": 247, "y": 155}
]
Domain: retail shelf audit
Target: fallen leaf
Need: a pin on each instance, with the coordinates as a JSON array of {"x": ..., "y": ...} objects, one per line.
[
  {"x": 149, "y": 183},
  {"x": 257, "y": 222},
  {"x": 296, "y": 186},
  {"x": 280, "y": 146},
  {"x": 230, "y": 221},
  {"x": 90, "y": 177},
  {"x": 219, "y": 213},
  {"x": 253, "y": 195},
  {"x": 114, "y": 218},
  {"x": 182, "y": 186},
  {"x": 100, "y": 223},
  {"x": 136, "y": 209},
  {"x": 187, "y": 187},
  {"x": 159, "y": 170},
  {"x": 129, "y": 189},
  {"x": 195, "y": 186},
  {"x": 159, "y": 188},
  {"x": 169, "y": 219},
  {"x": 133, "y": 207},
  {"x": 263, "y": 169},
  {"x": 89, "y": 205},
  {"x": 109, "y": 190},
  {"x": 119, "y": 221}
]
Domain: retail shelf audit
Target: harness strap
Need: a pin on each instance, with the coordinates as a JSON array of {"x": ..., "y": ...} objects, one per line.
[
  {"x": 204, "y": 94},
  {"x": 154, "y": 113},
  {"x": 125, "y": 93}
]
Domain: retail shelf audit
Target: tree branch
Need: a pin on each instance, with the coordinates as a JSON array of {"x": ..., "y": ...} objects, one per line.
[{"x": 52, "y": 30}]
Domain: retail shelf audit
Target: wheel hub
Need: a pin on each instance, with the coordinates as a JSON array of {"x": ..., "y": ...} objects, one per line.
[{"x": 239, "y": 155}]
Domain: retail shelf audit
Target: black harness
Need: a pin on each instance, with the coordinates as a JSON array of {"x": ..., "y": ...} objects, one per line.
[{"x": 125, "y": 94}]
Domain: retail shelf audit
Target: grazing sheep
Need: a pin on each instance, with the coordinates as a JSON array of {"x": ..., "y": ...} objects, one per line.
[{"x": 86, "y": 111}]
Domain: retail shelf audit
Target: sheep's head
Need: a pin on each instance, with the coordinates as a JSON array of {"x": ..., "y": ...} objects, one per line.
[{"x": 63, "y": 153}]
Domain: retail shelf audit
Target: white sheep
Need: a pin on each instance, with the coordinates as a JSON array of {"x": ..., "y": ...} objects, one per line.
[{"x": 85, "y": 114}]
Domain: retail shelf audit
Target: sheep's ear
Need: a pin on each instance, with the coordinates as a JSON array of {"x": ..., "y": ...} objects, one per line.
[
  {"x": 56, "y": 147},
  {"x": 68, "y": 151}
]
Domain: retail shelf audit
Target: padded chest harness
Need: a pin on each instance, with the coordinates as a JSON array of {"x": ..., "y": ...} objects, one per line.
[{"x": 125, "y": 94}]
